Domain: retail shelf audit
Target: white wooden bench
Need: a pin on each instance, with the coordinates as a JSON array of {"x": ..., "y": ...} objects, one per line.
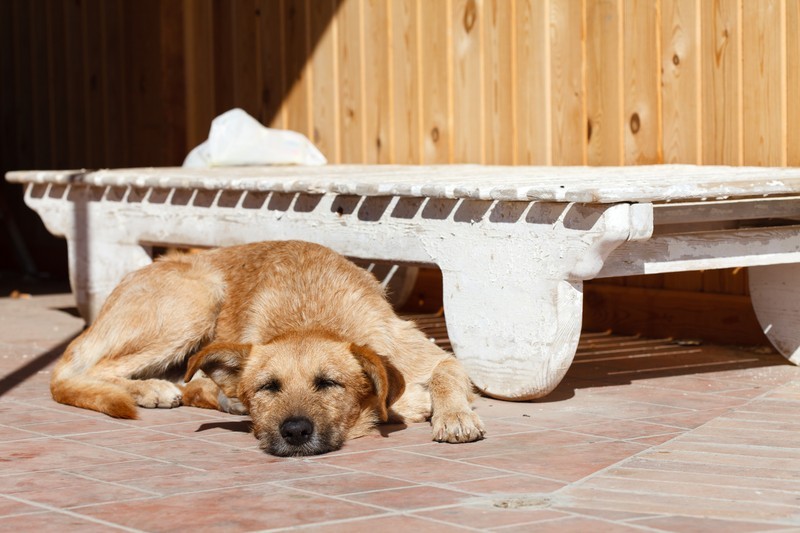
[{"x": 514, "y": 244}]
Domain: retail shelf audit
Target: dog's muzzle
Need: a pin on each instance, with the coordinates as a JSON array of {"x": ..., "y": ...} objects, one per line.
[
  {"x": 297, "y": 430},
  {"x": 297, "y": 436}
]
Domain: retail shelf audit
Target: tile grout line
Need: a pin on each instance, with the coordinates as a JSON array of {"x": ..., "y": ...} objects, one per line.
[
  {"x": 113, "y": 483},
  {"x": 715, "y": 485},
  {"x": 72, "y": 514}
]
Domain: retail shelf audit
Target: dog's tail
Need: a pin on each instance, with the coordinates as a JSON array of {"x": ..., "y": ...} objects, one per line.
[{"x": 91, "y": 393}]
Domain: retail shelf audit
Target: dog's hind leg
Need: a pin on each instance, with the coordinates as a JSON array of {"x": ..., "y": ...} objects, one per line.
[{"x": 151, "y": 322}]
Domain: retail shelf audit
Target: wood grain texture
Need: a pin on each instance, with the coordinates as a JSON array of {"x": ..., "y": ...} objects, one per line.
[
  {"x": 762, "y": 83},
  {"x": 642, "y": 82},
  {"x": 172, "y": 88},
  {"x": 567, "y": 34},
  {"x": 533, "y": 127},
  {"x": 793, "y": 82},
  {"x": 604, "y": 82},
  {"x": 298, "y": 98},
  {"x": 350, "y": 70},
  {"x": 406, "y": 76},
  {"x": 377, "y": 93},
  {"x": 245, "y": 16},
  {"x": 680, "y": 64},
  {"x": 468, "y": 84},
  {"x": 435, "y": 45},
  {"x": 721, "y": 91},
  {"x": 324, "y": 71},
  {"x": 498, "y": 93},
  {"x": 199, "y": 69},
  {"x": 273, "y": 68}
]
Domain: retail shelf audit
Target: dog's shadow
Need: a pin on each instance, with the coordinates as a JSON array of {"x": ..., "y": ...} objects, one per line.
[
  {"x": 238, "y": 426},
  {"x": 387, "y": 429},
  {"x": 246, "y": 426}
]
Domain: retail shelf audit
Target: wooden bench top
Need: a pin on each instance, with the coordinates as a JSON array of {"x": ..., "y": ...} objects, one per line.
[{"x": 657, "y": 183}]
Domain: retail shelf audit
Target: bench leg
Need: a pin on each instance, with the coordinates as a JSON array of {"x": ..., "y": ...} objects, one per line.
[
  {"x": 95, "y": 268},
  {"x": 775, "y": 292},
  {"x": 515, "y": 336}
]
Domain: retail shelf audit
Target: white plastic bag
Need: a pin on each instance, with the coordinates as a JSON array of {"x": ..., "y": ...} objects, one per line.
[{"x": 236, "y": 138}]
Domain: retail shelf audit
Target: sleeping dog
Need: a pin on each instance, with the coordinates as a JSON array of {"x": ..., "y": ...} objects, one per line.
[{"x": 289, "y": 332}]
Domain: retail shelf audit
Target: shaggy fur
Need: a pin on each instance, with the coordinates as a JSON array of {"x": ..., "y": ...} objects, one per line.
[{"x": 290, "y": 332}]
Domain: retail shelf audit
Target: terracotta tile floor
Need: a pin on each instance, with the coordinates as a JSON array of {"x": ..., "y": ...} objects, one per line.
[{"x": 643, "y": 435}]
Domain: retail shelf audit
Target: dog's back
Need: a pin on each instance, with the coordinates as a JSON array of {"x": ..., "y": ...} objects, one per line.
[{"x": 273, "y": 288}]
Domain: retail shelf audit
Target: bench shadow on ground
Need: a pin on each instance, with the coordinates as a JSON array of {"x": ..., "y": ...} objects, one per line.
[{"x": 603, "y": 359}]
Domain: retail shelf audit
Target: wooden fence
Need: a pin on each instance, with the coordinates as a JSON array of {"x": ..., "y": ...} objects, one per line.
[{"x": 90, "y": 83}]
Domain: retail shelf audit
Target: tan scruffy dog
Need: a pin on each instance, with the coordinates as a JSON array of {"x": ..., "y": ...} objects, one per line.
[{"x": 290, "y": 332}]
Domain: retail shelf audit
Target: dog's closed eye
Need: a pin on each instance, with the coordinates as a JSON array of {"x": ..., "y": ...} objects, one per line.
[
  {"x": 272, "y": 385},
  {"x": 322, "y": 383}
]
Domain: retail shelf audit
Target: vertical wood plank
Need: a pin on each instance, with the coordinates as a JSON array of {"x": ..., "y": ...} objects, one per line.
[
  {"x": 142, "y": 53},
  {"x": 8, "y": 112},
  {"x": 245, "y": 16},
  {"x": 56, "y": 76},
  {"x": 296, "y": 101},
  {"x": 435, "y": 42},
  {"x": 271, "y": 38},
  {"x": 680, "y": 90},
  {"x": 73, "y": 86},
  {"x": 22, "y": 79},
  {"x": 762, "y": 86},
  {"x": 604, "y": 98},
  {"x": 642, "y": 126},
  {"x": 468, "y": 101},
  {"x": 720, "y": 109},
  {"x": 39, "y": 87},
  {"x": 378, "y": 106},
  {"x": 172, "y": 88},
  {"x": 352, "y": 118},
  {"x": 721, "y": 95},
  {"x": 224, "y": 73},
  {"x": 115, "y": 127},
  {"x": 199, "y": 69},
  {"x": 567, "y": 35},
  {"x": 532, "y": 84},
  {"x": 498, "y": 82},
  {"x": 793, "y": 82},
  {"x": 323, "y": 73},
  {"x": 93, "y": 83},
  {"x": 405, "y": 82}
]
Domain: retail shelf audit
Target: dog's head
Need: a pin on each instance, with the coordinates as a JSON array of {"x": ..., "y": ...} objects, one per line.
[{"x": 306, "y": 392}]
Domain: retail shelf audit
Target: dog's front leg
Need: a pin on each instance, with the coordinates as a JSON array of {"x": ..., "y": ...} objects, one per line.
[
  {"x": 451, "y": 393},
  {"x": 203, "y": 392}
]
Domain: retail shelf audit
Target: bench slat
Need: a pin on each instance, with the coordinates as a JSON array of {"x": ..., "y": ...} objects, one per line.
[{"x": 657, "y": 183}]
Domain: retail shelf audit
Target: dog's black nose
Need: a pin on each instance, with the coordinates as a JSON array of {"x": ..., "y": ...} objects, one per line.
[{"x": 297, "y": 430}]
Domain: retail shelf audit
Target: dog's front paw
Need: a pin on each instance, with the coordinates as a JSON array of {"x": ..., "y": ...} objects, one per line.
[
  {"x": 159, "y": 393},
  {"x": 457, "y": 426},
  {"x": 230, "y": 405}
]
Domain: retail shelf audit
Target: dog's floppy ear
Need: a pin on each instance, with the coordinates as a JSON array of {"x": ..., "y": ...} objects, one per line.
[
  {"x": 386, "y": 379},
  {"x": 222, "y": 362}
]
